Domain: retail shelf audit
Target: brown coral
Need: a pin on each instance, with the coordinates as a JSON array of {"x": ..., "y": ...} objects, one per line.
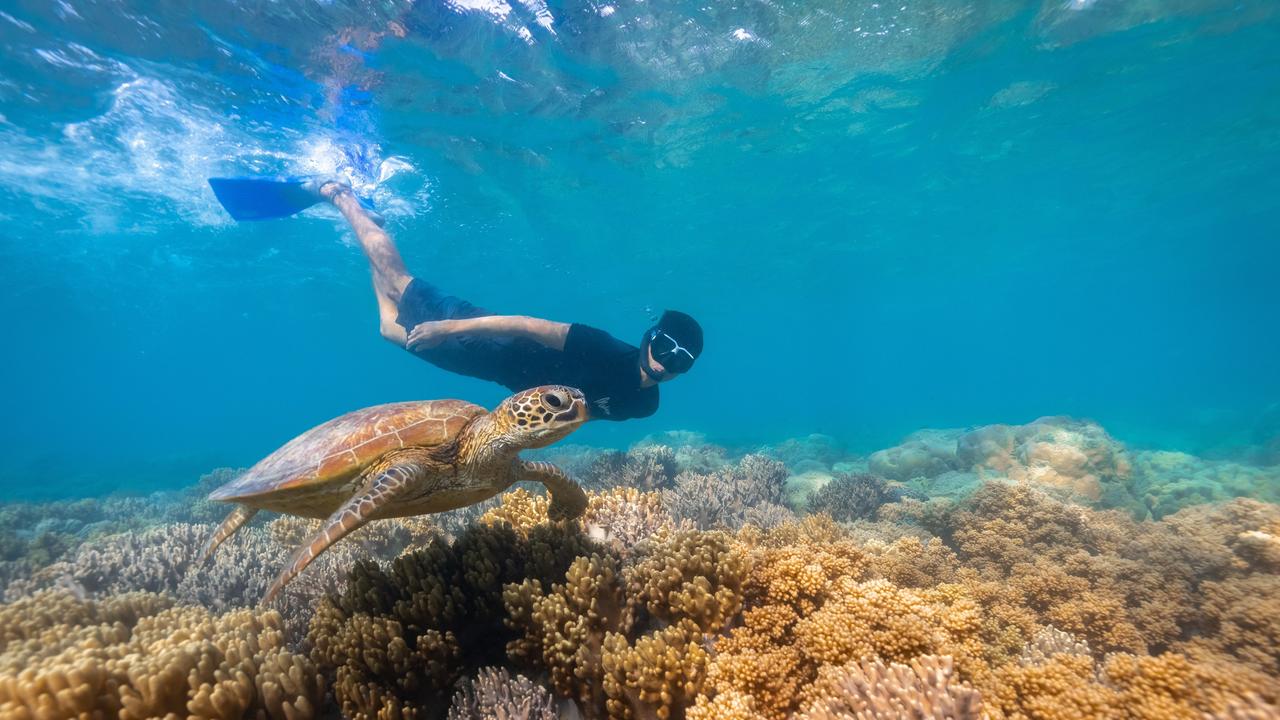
[
  {"x": 520, "y": 509},
  {"x": 622, "y": 517},
  {"x": 658, "y": 675},
  {"x": 135, "y": 658},
  {"x": 630, "y": 642},
  {"x": 399, "y": 637},
  {"x": 690, "y": 575},
  {"x": 872, "y": 690},
  {"x": 494, "y": 695},
  {"x": 618, "y": 518}
]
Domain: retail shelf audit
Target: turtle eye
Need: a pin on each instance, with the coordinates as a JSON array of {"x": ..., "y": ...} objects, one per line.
[{"x": 554, "y": 400}]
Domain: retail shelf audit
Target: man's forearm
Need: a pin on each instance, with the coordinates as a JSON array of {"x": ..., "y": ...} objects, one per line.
[{"x": 545, "y": 332}]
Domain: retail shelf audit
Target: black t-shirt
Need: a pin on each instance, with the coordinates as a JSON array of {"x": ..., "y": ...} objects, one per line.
[{"x": 603, "y": 367}]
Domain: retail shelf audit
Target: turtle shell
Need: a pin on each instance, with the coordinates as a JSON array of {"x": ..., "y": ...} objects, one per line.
[{"x": 335, "y": 453}]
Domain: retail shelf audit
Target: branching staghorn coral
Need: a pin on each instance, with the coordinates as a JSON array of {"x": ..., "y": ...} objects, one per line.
[
  {"x": 520, "y": 509},
  {"x": 1119, "y": 584},
  {"x": 690, "y": 575},
  {"x": 135, "y": 657},
  {"x": 643, "y": 467},
  {"x": 852, "y": 496},
  {"x": 166, "y": 559},
  {"x": 564, "y": 628},
  {"x": 657, "y": 675},
  {"x": 724, "y": 497}
]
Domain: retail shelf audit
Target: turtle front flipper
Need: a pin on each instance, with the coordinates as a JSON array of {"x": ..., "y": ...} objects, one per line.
[
  {"x": 568, "y": 501},
  {"x": 387, "y": 484},
  {"x": 238, "y": 517}
]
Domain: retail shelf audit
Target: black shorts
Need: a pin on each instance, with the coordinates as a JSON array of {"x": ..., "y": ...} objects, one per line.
[{"x": 483, "y": 358}]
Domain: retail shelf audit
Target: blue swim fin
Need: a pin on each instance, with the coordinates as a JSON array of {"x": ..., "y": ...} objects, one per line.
[{"x": 263, "y": 198}]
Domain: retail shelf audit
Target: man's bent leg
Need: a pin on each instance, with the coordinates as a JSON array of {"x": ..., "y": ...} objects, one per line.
[{"x": 390, "y": 277}]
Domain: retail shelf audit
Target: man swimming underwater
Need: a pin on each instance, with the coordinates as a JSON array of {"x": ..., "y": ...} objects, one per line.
[{"x": 619, "y": 380}]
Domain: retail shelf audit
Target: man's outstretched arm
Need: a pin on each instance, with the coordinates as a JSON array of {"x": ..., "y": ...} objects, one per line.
[{"x": 545, "y": 332}]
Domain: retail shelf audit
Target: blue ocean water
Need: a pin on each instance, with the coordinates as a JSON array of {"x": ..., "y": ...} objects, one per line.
[{"x": 887, "y": 215}]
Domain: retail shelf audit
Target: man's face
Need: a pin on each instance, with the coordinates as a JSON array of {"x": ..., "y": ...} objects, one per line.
[{"x": 659, "y": 371}]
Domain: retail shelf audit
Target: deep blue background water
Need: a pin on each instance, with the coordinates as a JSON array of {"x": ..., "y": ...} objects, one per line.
[{"x": 887, "y": 215}]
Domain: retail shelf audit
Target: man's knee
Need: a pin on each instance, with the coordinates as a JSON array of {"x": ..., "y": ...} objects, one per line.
[{"x": 392, "y": 331}]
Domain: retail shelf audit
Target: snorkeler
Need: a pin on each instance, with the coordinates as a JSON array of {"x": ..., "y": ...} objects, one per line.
[{"x": 620, "y": 381}]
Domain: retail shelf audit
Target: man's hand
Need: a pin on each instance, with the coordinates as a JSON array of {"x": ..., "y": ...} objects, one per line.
[{"x": 430, "y": 334}]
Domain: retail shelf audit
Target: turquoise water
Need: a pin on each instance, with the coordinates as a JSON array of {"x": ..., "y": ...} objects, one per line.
[{"x": 887, "y": 216}]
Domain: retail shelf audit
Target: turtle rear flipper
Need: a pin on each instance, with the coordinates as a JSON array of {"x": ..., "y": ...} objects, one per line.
[
  {"x": 385, "y": 486},
  {"x": 238, "y": 517}
]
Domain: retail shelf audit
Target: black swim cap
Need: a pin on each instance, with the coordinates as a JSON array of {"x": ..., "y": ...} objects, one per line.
[
  {"x": 676, "y": 341},
  {"x": 684, "y": 329}
]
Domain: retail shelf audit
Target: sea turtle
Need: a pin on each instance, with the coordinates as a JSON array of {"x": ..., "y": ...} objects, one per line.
[{"x": 402, "y": 459}]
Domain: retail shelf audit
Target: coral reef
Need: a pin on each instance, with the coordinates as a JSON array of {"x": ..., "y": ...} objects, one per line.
[
  {"x": 872, "y": 690},
  {"x": 494, "y": 695},
  {"x": 1058, "y": 577},
  {"x": 134, "y": 656},
  {"x": 166, "y": 559},
  {"x": 643, "y": 467},
  {"x": 1071, "y": 459},
  {"x": 812, "y": 453},
  {"x": 630, "y": 642},
  {"x": 619, "y": 518},
  {"x": 623, "y": 517},
  {"x": 1168, "y": 481},
  {"x": 397, "y": 638},
  {"x": 1010, "y": 566},
  {"x": 923, "y": 454},
  {"x": 694, "y": 453},
  {"x": 722, "y": 498},
  {"x": 856, "y": 496}
]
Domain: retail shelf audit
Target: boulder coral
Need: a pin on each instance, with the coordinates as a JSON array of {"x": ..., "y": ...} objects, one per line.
[
  {"x": 136, "y": 656},
  {"x": 1167, "y": 481},
  {"x": 1069, "y": 458}
]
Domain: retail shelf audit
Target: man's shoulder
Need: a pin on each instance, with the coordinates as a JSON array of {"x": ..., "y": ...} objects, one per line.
[{"x": 585, "y": 338}]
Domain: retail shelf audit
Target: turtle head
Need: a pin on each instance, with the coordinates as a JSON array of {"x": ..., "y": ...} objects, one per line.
[{"x": 539, "y": 416}]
